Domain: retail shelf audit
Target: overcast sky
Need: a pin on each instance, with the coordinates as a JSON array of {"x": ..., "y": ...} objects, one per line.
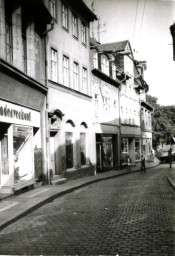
[{"x": 146, "y": 24}]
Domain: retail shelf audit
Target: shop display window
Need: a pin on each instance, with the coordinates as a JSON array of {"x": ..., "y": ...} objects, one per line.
[
  {"x": 69, "y": 150},
  {"x": 83, "y": 148},
  {"x": 137, "y": 150},
  {"x": 4, "y": 155},
  {"x": 124, "y": 150},
  {"x": 107, "y": 152},
  {"x": 23, "y": 153}
]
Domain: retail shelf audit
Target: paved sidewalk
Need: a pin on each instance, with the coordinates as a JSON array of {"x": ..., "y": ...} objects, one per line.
[{"x": 15, "y": 207}]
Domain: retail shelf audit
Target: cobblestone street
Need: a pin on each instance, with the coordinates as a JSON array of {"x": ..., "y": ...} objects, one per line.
[{"x": 127, "y": 215}]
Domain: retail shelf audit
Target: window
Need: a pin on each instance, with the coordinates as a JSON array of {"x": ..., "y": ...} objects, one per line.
[
  {"x": 85, "y": 84},
  {"x": 96, "y": 105},
  {"x": 83, "y": 148},
  {"x": 54, "y": 65},
  {"x": 65, "y": 16},
  {"x": 76, "y": 76},
  {"x": 106, "y": 106},
  {"x": 115, "y": 109},
  {"x": 69, "y": 150},
  {"x": 95, "y": 59},
  {"x": 8, "y": 32},
  {"x": 75, "y": 25},
  {"x": 113, "y": 71},
  {"x": 65, "y": 71},
  {"x": 24, "y": 40},
  {"x": 105, "y": 65},
  {"x": 53, "y": 8},
  {"x": 83, "y": 33}
]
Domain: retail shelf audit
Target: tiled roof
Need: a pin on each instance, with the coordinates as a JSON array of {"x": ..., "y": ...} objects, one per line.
[{"x": 116, "y": 46}]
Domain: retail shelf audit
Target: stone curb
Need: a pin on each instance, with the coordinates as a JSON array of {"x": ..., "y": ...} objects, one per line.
[
  {"x": 64, "y": 192},
  {"x": 171, "y": 182}
]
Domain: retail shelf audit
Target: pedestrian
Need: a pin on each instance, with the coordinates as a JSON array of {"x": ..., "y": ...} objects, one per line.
[
  {"x": 143, "y": 164},
  {"x": 129, "y": 163},
  {"x": 170, "y": 157}
]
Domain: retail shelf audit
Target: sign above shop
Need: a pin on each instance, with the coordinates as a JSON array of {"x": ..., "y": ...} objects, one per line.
[{"x": 11, "y": 113}]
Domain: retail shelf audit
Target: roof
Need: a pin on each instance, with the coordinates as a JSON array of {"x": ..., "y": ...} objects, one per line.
[
  {"x": 147, "y": 105},
  {"x": 115, "y": 46},
  {"x": 82, "y": 8}
]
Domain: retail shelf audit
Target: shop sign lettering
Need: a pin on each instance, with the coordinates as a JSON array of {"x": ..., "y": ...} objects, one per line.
[{"x": 12, "y": 113}]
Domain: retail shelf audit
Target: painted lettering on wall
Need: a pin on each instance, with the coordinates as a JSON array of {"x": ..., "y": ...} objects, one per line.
[{"x": 12, "y": 113}]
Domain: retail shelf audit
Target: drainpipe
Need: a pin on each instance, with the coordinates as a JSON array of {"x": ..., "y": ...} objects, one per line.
[{"x": 47, "y": 138}]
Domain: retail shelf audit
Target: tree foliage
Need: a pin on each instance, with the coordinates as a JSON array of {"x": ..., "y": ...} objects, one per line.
[{"x": 163, "y": 122}]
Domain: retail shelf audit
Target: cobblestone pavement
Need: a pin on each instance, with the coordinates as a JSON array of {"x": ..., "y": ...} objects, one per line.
[{"x": 127, "y": 215}]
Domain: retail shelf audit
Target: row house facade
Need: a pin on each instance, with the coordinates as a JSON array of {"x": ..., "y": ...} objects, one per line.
[
  {"x": 134, "y": 113},
  {"x": 69, "y": 101},
  {"x": 22, "y": 93},
  {"x": 106, "y": 109}
]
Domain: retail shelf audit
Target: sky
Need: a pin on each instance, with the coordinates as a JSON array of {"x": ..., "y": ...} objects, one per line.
[{"x": 145, "y": 23}]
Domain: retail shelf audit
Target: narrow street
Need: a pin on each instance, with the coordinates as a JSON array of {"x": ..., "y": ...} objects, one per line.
[{"x": 127, "y": 215}]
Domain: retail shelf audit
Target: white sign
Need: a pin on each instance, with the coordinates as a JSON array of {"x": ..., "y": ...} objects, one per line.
[{"x": 11, "y": 113}]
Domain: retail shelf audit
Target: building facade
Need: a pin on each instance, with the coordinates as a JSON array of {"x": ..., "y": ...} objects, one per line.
[
  {"x": 105, "y": 88},
  {"x": 22, "y": 93},
  {"x": 69, "y": 103}
]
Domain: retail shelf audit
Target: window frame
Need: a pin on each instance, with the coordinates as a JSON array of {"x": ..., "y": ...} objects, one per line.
[
  {"x": 76, "y": 76},
  {"x": 54, "y": 68},
  {"x": 75, "y": 31},
  {"x": 95, "y": 59},
  {"x": 8, "y": 33},
  {"x": 66, "y": 71},
  {"x": 84, "y": 80},
  {"x": 53, "y": 8},
  {"x": 65, "y": 16},
  {"x": 83, "y": 33}
]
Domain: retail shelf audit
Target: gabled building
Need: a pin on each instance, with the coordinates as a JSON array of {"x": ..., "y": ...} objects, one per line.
[
  {"x": 106, "y": 119},
  {"x": 69, "y": 103},
  {"x": 132, "y": 84},
  {"x": 23, "y": 26}
]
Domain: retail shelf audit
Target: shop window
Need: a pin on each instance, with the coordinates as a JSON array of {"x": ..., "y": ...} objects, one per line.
[
  {"x": 76, "y": 76},
  {"x": 8, "y": 31},
  {"x": 65, "y": 16},
  {"x": 83, "y": 33},
  {"x": 137, "y": 149},
  {"x": 75, "y": 25},
  {"x": 23, "y": 154},
  {"x": 54, "y": 65},
  {"x": 107, "y": 146},
  {"x": 124, "y": 150},
  {"x": 65, "y": 70},
  {"x": 83, "y": 148},
  {"x": 69, "y": 150},
  {"x": 4, "y": 154}
]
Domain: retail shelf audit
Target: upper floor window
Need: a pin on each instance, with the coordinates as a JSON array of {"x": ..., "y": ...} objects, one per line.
[
  {"x": 64, "y": 16},
  {"x": 115, "y": 108},
  {"x": 106, "y": 106},
  {"x": 24, "y": 40},
  {"x": 83, "y": 33},
  {"x": 105, "y": 65},
  {"x": 54, "y": 65},
  {"x": 96, "y": 105},
  {"x": 65, "y": 70},
  {"x": 76, "y": 76},
  {"x": 75, "y": 25},
  {"x": 113, "y": 70},
  {"x": 85, "y": 82},
  {"x": 8, "y": 32},
  {"x": 53, "y": 8},
  {"x": 95, "y": 59}
]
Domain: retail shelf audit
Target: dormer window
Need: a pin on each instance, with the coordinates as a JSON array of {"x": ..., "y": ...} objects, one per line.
[
  {"x": 105, "y": 64},
  {"x": 95, "y": 59}
]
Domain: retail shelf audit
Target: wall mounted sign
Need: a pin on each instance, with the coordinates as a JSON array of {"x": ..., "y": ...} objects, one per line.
[{"x": 11, "y": 113}]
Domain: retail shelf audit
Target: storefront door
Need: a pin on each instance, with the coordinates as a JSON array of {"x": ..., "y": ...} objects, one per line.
[{"x": 5, "y": 171}]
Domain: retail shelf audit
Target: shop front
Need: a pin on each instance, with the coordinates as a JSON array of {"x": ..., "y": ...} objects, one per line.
[{"x": 19, "y": 134}]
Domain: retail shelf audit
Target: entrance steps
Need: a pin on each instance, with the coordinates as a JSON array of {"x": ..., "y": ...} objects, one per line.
[{"x": 58, "y": 180}]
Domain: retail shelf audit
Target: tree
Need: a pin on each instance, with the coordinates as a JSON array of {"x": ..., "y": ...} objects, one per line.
[{"x": 163, "y": 122}]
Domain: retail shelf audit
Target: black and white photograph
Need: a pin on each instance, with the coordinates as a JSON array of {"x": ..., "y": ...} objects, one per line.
[{"x": 87, "y": 127}]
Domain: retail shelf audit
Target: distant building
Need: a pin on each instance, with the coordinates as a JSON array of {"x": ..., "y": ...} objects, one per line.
[
  {"x": 106, "y": 118},
  {"x": 22, "y": 93}
]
